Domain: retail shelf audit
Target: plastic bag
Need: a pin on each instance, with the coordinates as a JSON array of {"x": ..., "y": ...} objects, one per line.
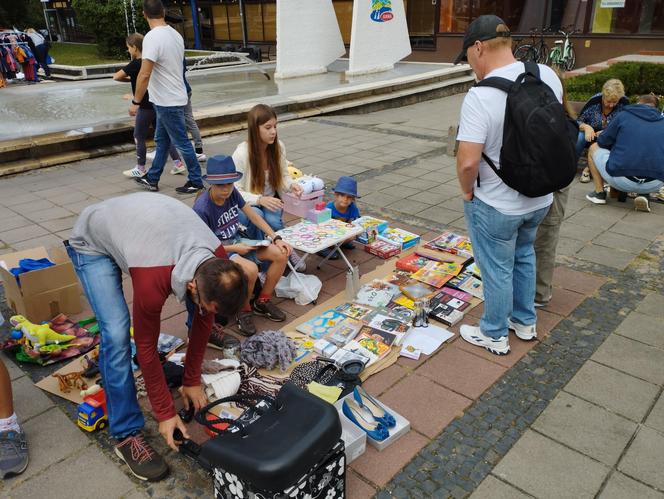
[{"x": 304, "y": 290}]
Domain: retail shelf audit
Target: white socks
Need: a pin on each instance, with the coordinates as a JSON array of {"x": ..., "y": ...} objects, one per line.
[{"x": 9, "y": 424}]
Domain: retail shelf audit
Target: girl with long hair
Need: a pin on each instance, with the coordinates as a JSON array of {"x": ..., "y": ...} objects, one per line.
[{"x": 262, "y": 161}]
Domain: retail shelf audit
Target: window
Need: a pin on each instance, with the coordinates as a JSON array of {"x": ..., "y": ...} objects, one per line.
[{"x": 636, "y": 17}]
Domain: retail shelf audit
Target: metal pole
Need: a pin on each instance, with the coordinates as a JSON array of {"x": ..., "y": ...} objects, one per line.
[
  {"x": 243, "y": 23},
  {"x": 48, "y": 25},
  {"x": 195, "y": 23}
]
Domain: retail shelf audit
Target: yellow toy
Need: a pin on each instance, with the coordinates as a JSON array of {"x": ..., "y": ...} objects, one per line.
[
  {"x": 294, "y": 173},
  {"x": 38, "y": 334}
]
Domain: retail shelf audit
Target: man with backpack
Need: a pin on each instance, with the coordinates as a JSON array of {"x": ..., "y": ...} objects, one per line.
[{"x": 513, "y": 153}]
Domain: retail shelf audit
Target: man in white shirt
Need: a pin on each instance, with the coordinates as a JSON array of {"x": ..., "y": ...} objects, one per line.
[
  {"x": 502, "y": 223},
  {"x": 161, "y": 74}
]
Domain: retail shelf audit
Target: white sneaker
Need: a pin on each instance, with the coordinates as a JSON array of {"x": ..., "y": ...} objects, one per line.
[
  {"x": 151, "y": 155},
  {"x": 178, "y": 167},
  {"x": 135, "y": 172},
  {"x": 201, "y": 157},
  {"x": 474, "y": 336},
  {"x": 298, "y": 264},
  {"x": 525, "y": 333},
  {"x": 641, "y": 204}
]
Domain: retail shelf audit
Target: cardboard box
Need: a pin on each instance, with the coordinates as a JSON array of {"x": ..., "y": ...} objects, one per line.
[{"x": 43, "y": 293}]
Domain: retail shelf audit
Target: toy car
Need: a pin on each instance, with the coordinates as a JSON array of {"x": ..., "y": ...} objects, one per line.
[{"x": 92, "y": 414}]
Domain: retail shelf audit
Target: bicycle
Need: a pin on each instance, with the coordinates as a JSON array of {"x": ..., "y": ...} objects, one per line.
[
  {"x": 536, "y": 50},
  {"x": 563, "y": 54}
]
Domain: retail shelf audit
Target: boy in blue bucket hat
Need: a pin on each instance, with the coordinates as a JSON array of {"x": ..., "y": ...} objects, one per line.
[
  {"x": 343, "y": 208},
  {"x": 220, "y": 208}
]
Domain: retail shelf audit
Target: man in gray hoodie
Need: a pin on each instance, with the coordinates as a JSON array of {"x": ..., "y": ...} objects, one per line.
[
  {"x": 629, "y": 153},
  {"x": 166, "y": 249}
]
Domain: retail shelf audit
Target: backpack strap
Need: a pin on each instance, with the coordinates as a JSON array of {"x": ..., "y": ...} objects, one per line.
[{"x": 496, "y": 82}]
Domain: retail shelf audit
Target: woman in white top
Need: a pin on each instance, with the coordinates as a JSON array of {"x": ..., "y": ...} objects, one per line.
[{"x": 262, "y": 161}]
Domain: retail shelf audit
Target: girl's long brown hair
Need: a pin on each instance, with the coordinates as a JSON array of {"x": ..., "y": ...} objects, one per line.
[{"x": 259, "y": 115}]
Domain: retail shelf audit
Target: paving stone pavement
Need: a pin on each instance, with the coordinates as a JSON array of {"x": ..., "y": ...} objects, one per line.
[{"x": 577, "y": 413}]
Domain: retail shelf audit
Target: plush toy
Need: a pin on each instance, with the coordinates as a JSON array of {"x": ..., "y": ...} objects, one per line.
[
  {"x": 294, "y": 173},
  {"x": 311, "y": 184},
  {"x": 38, "y": 334}
]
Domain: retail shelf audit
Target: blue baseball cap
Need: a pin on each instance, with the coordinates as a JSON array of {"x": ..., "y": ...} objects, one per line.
[
  {"x": 221, "y": 170},
  {"x": 346, "y": 185}
]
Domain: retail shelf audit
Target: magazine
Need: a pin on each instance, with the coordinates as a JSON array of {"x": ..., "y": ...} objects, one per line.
[
  {"x": 468, "y": 283},
  {"x": 344, "y": 332},
  {"x": 321, "y": 325},
  {"x": 451, "y": 242},
  {"x": 412, "y": 262},
  {"x": 376, "y": 293},
  {"x": 354, "y": 310},
  {"x": 354, "y": 351},
  {"x": 401, "y": 312},
  {"x": 386, "y": 323},
  {"x": 436, "y": 273},
  {"x": 450, "y": 300},
  {"x": 373, "y": 342}
]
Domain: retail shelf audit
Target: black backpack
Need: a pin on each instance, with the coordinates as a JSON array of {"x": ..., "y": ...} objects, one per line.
[{"x": 538, "y": 152}]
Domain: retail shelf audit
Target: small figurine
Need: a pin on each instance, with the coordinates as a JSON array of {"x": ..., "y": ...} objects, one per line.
[
  {"x": 38, "y": 334},
  {"x": 71, "y": 380}
]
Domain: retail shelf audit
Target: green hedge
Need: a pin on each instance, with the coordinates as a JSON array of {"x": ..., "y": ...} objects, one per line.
[{"x": 638, "y": 77}]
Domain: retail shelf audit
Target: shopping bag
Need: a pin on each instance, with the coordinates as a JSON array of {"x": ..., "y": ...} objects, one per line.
[{"x": 303, "y": 290}]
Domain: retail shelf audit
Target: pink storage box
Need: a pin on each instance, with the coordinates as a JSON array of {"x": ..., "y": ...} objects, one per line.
[{"x": 300, "y": 206}]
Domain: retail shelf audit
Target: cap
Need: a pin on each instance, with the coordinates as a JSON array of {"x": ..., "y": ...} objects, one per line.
[{"x": 481, "y": 29}]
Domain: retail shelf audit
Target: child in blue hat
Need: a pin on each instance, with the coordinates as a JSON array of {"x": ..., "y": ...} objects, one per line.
[
  {"x": 220, "y": 207},
  {"x": 344, "y": 208}
]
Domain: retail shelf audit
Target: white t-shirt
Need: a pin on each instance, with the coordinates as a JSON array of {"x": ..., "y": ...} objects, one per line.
[
  {"x": 37, "y": 39},
  {"x": 165, "y": 48},
  {"x": 482, "y": 117}
]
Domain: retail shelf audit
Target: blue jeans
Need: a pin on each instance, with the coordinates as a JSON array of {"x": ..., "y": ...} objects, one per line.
[
  {"x": 273, "y": 218},
  {"x": 581, "y": 144},
  {"x": 171, "y": 129},
  {"x": 102, "y": 283},
  {"x": 624, "y": 184},
  {"x": 503, "y": 248}
]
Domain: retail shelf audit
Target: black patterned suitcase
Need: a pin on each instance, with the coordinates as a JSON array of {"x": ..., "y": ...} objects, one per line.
[{"x": 290, "y": 447}]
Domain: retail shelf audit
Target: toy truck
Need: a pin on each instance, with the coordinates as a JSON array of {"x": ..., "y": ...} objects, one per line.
[{"x": 92, "y": 412}]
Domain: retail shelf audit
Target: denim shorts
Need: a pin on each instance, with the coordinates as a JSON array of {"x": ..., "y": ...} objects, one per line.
[
  {"x": 601, "y": 157},
  {"x": 251, "y": 256}
]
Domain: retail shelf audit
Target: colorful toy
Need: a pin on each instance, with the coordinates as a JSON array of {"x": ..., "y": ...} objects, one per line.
[
  {"x": 71, "y": 380},
  {"x": 92, "y": 413},
  {"x": 38, "y": 334},
  {"x": 294, "y": 173}
]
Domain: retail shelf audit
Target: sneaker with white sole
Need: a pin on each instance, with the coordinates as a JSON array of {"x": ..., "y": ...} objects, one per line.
[
  {"x": 641, "y": 204},
  {"x": 596, "y": 197},
  {"x": 178, "y": 167},
  {"x": 296, "y": 261},
  {"x": 135, "y": 172},
  {"x": 474, "y": 336},
  {"x": 143, "y": 461},
  {"x": 13, "y": 453},
  {"x": 525, "y": 333}
]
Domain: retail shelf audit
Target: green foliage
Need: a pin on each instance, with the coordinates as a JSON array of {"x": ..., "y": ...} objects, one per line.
[
  {"x": 106, "y": 20},
  {"x": 638, "y": 77},
  {"x": 22, "y": 14}
]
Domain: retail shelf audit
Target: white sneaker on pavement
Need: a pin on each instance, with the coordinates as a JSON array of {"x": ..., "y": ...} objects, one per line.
[
  {"x": 474, "y": 336},
  {"x": 525, "y": 333},
  {"x": 178, "y": 167},
  {"x": 135, "y": 172}
]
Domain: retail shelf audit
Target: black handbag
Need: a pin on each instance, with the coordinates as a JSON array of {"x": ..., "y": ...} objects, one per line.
[{"x": 292, "y": 433}]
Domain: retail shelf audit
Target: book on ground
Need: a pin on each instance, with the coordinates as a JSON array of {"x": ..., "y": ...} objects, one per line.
[{"x": 321, "y": 325}]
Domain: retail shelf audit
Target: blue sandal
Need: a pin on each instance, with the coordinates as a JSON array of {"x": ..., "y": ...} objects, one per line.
[
  {"x": 365, "y": 421},
  {"x": 367, "y": 401}
]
